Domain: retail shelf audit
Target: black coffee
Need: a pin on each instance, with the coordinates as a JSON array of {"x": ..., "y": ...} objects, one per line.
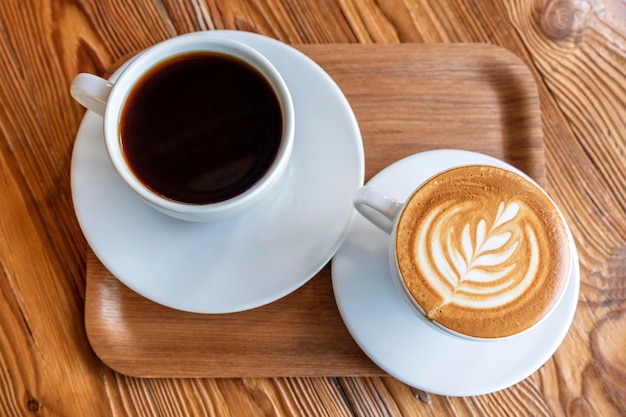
[{"x": 201, "y": 128}]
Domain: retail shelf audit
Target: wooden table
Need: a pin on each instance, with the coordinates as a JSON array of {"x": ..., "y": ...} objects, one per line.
[{"x": 575, "y": 49}]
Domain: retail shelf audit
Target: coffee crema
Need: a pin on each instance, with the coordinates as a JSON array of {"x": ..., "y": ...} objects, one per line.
[
  {"x": 201, "y": 127},
  {"x": 482, "y": 251}
]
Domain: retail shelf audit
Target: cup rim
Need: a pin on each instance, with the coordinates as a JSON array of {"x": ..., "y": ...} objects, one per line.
[
  {"x": 418, "y": 309},
  {"x": 180, "y": 45}
]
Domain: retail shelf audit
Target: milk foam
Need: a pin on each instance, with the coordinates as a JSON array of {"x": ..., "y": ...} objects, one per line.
[
  {"x": 482, "y": 251},
  {"x": 483, "y": 266}
]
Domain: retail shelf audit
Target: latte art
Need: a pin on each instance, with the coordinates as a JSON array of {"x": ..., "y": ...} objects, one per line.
[{"x": 482, "y": 251}]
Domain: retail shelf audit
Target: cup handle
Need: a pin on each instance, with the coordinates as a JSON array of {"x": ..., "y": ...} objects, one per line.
[
  {"x": 380, "y": 209},
  {"x": 91, "y": 92}
]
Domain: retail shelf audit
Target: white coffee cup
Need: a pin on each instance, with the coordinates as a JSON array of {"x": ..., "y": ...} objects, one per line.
[
  {"x": 108, "y": 99},
  {"x": 443, "y": 264}
]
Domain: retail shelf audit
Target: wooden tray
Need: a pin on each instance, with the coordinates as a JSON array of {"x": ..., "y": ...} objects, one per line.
[{"x": 407, "y": 98}]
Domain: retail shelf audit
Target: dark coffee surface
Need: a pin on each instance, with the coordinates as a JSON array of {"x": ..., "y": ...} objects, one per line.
[{"x": 201, "y": 128}]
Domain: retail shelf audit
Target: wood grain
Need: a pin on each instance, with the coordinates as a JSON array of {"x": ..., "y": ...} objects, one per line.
[
  {"x": 407, "y": 98},
  {"x": 300, "y": 335},
  {"x": 577, "y": 54}
]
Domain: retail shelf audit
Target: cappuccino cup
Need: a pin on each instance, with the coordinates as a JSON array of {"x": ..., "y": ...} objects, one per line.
[
  {"x": 479, "y": 251},
  {"x": 198, "y": 126}
]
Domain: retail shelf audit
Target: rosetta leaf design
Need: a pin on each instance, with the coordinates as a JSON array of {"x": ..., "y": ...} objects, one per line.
[
  {"x": 488, "y": 248},
  {"x": 505, "y": 214}
]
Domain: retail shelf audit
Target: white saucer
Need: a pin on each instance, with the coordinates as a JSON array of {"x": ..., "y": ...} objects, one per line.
[
  {"x": 399, "y": 341},
  {"x": 250, "y": 260}
]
